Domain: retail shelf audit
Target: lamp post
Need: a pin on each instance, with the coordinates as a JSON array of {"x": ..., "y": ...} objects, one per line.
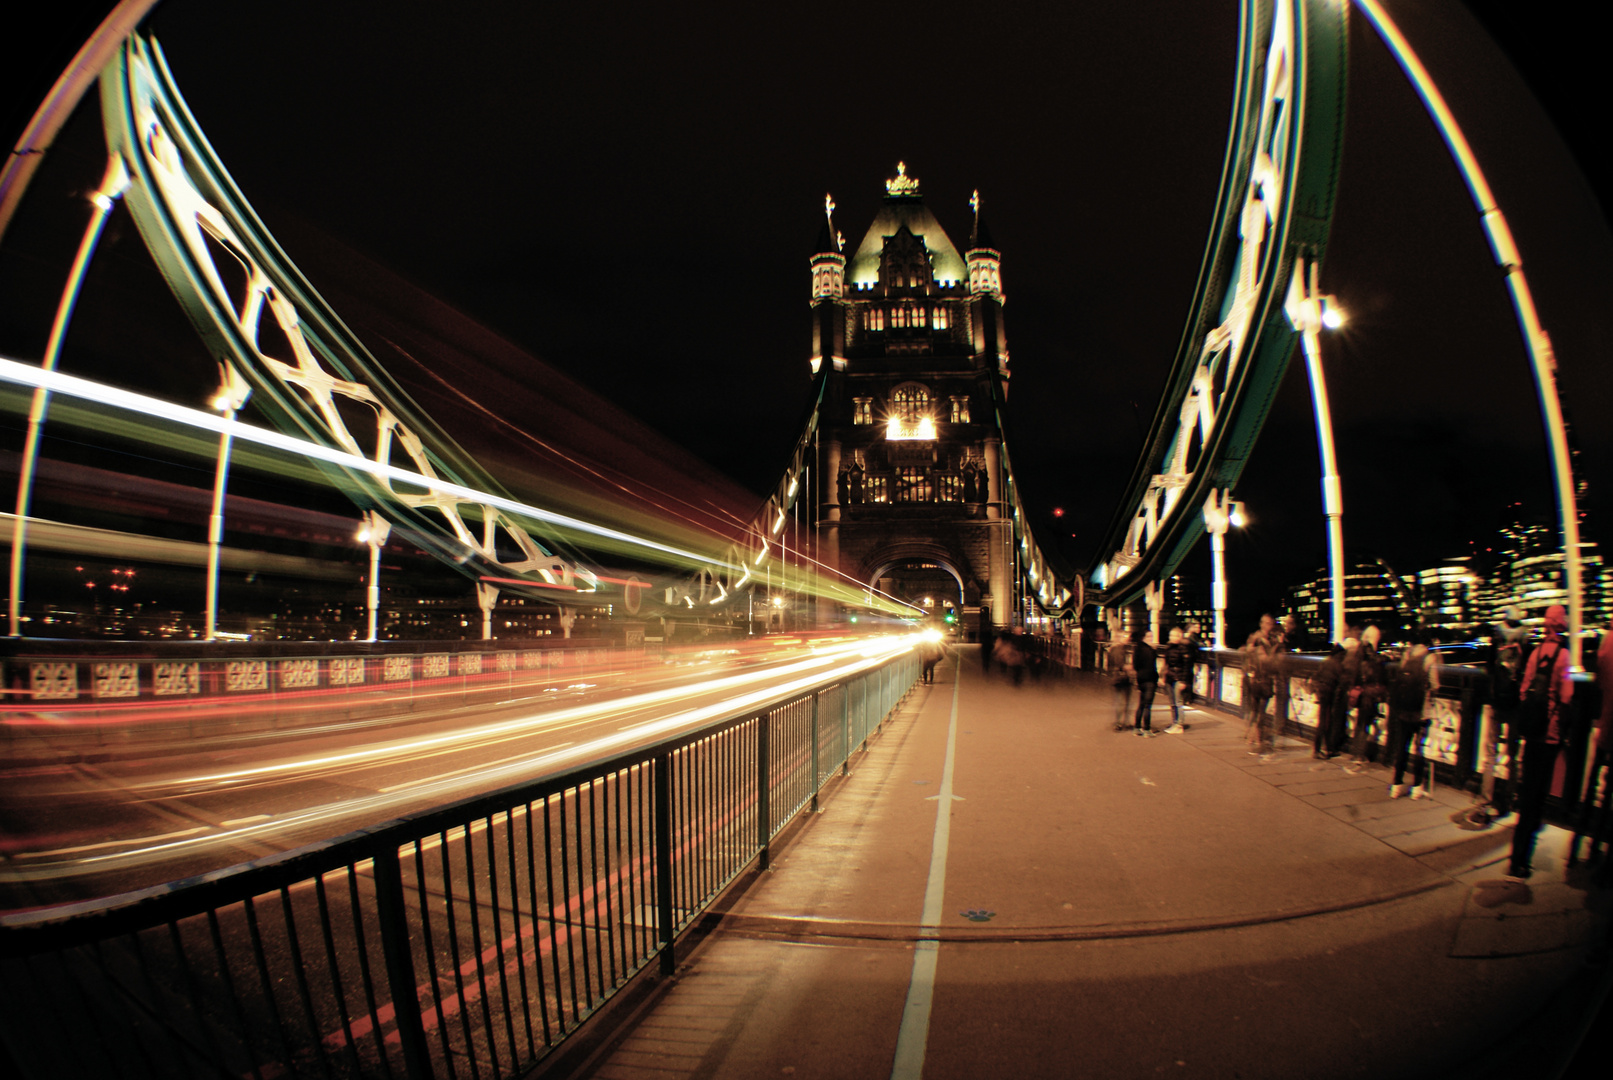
[
  {"x": 373, "y": 531},
  {"x": 1220, "y": 513},
  {"x": 1309, "y": 311},
  {"x": 102, "y": 199},
  {"x": 232, "y": 394}
]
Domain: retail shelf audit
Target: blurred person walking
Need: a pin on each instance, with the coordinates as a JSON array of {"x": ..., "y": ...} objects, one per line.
[
  {"x": 1259, "y": 683},
  {"x": 1120, "y": 679},
  {"x": 1543, "y": 714},
  {"x": 1593, "y": 820}
]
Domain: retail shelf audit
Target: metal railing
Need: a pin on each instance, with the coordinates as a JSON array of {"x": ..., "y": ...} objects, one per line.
[{"x": 469, "y": 940}]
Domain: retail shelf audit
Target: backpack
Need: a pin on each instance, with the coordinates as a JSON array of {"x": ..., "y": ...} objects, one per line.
[
  {"x": 1508, "y": 670},
  {"x": 1411, "y": 682},
  {"x": 1539, "y": 692}
]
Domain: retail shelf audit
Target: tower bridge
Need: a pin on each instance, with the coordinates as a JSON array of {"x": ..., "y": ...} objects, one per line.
[{"x": 516, "y": 887}]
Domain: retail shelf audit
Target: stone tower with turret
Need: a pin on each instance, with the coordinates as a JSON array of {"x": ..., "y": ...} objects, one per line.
[{"x": 909, "y": 342}]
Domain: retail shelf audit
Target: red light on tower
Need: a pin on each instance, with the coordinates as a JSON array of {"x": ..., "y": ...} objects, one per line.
[{"x": 1058, "y": 511}]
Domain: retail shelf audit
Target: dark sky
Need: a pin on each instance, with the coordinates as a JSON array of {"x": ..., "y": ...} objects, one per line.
[{"x": 630, "y": 193}]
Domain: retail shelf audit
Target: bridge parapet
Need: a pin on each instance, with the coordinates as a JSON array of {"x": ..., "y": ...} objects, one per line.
[{"x": 491, "y": 928}]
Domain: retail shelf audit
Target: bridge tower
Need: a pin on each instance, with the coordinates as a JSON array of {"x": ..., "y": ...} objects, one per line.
[{"x": 909, "y": 342}]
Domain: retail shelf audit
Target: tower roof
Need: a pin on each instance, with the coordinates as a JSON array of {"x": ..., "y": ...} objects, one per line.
[{"x": 903, "y": 205}]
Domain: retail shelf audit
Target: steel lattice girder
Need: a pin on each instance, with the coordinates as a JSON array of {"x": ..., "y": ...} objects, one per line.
[{"x": 1274, "y": 206}]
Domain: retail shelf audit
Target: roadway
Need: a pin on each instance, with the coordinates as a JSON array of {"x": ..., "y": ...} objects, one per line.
[{"x": 92, "y": 806}]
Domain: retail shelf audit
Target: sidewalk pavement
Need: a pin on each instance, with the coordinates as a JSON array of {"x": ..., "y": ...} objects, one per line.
[{"x": 1111, "y": 906}]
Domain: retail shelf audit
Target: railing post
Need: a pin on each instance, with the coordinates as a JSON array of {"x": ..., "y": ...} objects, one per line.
[
  {"x": 764, "y": 808},
  {"x": 393, "y": 923},
  {"x": 815, "y": 751},
  {"x": 663, "y": 860},
  {"x": 845, "y": 730}
]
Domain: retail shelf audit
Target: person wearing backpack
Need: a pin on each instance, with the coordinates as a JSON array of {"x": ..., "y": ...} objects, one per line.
[
  {"x": 1543, "y": 717},
  {"x": 1417, "y": 675}
]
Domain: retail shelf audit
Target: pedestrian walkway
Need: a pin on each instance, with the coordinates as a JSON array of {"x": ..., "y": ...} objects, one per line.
[{"x": 1007, "y": 887}]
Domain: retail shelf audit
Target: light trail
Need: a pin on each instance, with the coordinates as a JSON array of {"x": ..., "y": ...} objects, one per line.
[
  {"x": 839, "y": 662},
  {"x": 56, "y": 382}
]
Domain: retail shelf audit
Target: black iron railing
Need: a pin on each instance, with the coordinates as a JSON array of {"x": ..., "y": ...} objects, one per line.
[{"x": 465, "y": 941}]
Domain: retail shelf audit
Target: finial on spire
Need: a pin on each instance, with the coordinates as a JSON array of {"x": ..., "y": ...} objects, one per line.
[
  {"x": 829, "y": 216},
  {"x": 974, "y": 202},
  {"x": 901, "y": 183}
]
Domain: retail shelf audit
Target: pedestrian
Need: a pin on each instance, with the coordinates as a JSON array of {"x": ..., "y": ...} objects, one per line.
[
  {"x": 1543, "y": 714},
  {"x": 1367, "y": 691},
  {"x": 1259, "y": 683},
  {"x": 1508, "y": 651},
  {"x": 1416, "y": 678},
  {"x": 986, "y": 634},
  {"x": 1601, "y": 754},
  {"x": 1195, "y": 657},
  {"x": 1325, "y": 688},
  {"x": 932, "y": 652},
  {"x": 1120, "y": 680},
  {"x": 1295, "y": 638},
  {"x": 1145, "y": 668},
  {"x": 1007, "y": 653},
  {"x": 1176, "y": 677}
]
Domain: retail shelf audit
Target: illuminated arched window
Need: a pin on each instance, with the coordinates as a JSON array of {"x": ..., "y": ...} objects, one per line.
[{"x": 910, "y": 403}]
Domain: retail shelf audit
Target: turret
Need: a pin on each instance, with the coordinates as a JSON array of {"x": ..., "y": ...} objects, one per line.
[
  {"x": 828, "y": 294},
  {"x": 986, "y": 293}
]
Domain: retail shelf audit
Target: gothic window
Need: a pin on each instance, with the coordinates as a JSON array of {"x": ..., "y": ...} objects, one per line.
[
  {"x": 874, "y": 319},
  {"x": 939, "y": 320},
  {"x": 912, "y": 485},
  {"x": 875, "y": 490},
  {"x": 960, "y": 410},
  {"x": 949, "y": 488},
  {"x": 862, "y": 411},
  {"x": 899, "y": 317},
  {"x": 918, "y": 317},
  {"x": 910, "y": 403}
]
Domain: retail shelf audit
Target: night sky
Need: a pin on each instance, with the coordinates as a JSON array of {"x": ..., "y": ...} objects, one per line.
[{"x": 630, "y": 194}]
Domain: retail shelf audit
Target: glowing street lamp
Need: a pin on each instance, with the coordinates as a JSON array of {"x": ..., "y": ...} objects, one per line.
[
  {"x": 232, "y": 394},
  {"x": 1309, "y": 311},
  {"x": 373, "y": 531},
  {"x": 1221, "y": 513}
]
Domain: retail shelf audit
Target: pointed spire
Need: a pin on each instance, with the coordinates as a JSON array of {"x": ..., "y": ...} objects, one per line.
[{"x": 979, "y": 236}]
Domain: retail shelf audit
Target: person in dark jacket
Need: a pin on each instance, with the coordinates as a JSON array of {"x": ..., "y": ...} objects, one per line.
[
  {"x": 1145, "y": 666},
  {"x": 1408, "y": 697},
  {"x": 1325, "y": 685},
  {"x": 1365, "y": 673},
  {"x": 1177, "y": 677},
  {"x": 1509, "y": 649}
]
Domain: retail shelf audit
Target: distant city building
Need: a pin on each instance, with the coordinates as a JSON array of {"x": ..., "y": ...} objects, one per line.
[
  {"x": 1449, "y": 597},
  {"x": 1373, "y": 594},
  {"x": 1528, "y": 572}
]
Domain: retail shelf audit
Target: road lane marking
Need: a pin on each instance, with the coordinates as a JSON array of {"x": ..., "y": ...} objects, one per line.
[
  {"x": 233, "y": 822},
  {"x": 915, "y": 1030}
]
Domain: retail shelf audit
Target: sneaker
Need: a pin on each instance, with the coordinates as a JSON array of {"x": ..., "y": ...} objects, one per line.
[
  {"x": 1174, "y": 729},
  {"x": 1139, "y": 732},
  {"x": 1397, "y": 791},
  {"x": 1420, "y": 793}
]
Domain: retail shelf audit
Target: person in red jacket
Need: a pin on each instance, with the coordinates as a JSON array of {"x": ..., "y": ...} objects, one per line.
[{"x": 1543, "y": 700}]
